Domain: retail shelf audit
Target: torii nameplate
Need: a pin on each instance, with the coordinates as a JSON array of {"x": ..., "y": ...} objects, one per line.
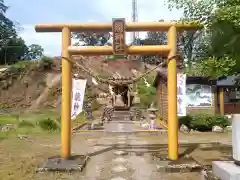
[{"x": 118, "y": 29}]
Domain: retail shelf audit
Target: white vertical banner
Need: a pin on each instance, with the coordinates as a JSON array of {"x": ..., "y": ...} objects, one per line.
[
  {"x": 78, "y": 91},
  {"x": 181, "y": 94}
]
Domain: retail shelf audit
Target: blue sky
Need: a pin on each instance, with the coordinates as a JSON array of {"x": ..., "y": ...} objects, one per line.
[{"x": 30, "y": 12}]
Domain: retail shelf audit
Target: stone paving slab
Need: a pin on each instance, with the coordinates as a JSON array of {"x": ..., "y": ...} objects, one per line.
[{"x": 75, "y": 163}]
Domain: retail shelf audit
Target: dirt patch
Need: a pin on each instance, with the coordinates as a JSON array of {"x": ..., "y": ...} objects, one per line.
[
  {"x": 19, "y": 158},
  {"x": 24, "y": 89}
]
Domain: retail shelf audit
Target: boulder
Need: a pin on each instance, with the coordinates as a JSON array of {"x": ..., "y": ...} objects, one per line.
[
  {"x": 146, "y": 125},
  {"x": 228, "y": 129},
  {"x": 184, "y": 128},
  {"x": 217, "y": 129}
]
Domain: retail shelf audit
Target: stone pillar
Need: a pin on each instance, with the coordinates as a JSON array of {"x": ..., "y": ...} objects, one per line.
[
  {"x": 152, "y": 116},
  {"x": 236, "y": 137}
]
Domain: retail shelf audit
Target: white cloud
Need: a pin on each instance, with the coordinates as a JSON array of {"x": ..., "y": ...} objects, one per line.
[{"x": 106, "y": 9}]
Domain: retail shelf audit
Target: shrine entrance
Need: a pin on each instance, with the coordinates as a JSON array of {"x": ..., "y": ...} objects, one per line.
[{"x": 118, "y": 27}]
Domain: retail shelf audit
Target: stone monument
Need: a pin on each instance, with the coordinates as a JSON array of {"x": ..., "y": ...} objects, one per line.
[{"x": 230, "y": 170}]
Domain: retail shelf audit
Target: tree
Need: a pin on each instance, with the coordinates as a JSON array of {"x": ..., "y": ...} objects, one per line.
[
  {"x": 189, "y": 43},
  {"x": 3, "y": 7},
  {"x": 222, "y": 27},
  {"x": 154, "y": 38},
  {"x": 7, "y": 28},
  {"x": 91, "y": 38},
  {"x": 35, "y": 51},
  {"x": 12, "y": 48}
]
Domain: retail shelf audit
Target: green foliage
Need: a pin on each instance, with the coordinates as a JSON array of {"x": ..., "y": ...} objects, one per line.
[
  {"x": 91, "y": 38},
  {"x": 186, "y": 120},
  {"x": 48, "y": 124},
  {"x": 27, "y": 124},
  {"x": 35, "y": 51},
  {"x": 12, "y": 51},
  {"x": 221, "y": 33},
  {"x": 146, "y": 94},
  {"x": 47, "y": 62},
  {"x": 214, "y": 67},
  {"x": 13, "y": 47},
  {"x": 201, "y": 122},
  {"x": 204, "y": 122},
  {"x": 21, "y": 64},
  {"x": 221, "y": 121}
]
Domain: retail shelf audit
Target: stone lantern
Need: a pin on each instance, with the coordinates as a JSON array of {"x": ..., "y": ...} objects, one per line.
[{"x": 152, "y": 116}]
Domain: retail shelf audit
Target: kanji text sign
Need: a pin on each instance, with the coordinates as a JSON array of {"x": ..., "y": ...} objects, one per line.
[{"x": 119, "y": 45}]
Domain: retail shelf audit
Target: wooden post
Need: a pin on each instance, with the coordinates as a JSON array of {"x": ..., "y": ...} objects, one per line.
[
  {"x": 66, "y": 95},
  {"x": 221, "y": 101},
  {"x": 172, "y": 96},
  {"x": 214, "y": 91}
]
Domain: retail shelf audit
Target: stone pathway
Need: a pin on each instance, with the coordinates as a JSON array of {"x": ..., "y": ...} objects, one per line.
[
  {"x": 122, "y": 126},
  {"x": 119, "y": 164},
  {"x": 114, "y": 163},
  {"x": 118, "y": 154}
]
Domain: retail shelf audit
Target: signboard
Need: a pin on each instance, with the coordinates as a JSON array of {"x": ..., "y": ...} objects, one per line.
[
  {"x": 78, "y": 91},
  {"x": 181, "y": 94},
  {"x": 118, "y": 29},
  {"x": 199, "y": 95}
]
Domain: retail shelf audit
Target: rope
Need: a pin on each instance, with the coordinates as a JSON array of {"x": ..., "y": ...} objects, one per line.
[{"x": 112, "y": 82}]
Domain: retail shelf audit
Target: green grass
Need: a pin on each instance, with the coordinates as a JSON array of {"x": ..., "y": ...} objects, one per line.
[
  {"x": 26, "y": 123},
  {"x": 35, "y": 123}
]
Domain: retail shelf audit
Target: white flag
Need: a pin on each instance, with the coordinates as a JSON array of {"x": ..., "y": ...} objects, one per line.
[
  {"x": 181, "y": 94},
  {"x": 78, "y": 91}
]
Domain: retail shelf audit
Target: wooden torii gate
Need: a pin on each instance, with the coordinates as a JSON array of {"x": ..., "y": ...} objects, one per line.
[{"x": 118, "y": 27}]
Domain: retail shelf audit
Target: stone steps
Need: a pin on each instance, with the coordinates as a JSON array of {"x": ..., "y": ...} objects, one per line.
[{"x": 121, "y": 115}]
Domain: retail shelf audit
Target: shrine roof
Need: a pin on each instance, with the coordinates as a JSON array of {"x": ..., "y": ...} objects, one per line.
[{"x": 229, "y": 81}]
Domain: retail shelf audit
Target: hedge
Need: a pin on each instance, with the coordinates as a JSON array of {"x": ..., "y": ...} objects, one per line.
[{"x": 203, "y": 122}]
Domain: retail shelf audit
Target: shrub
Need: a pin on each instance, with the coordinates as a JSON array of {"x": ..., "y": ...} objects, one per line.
[
  {"x": 47, "y": 62},
  {"x": 186, "y": 120},
  {"x": 201, "y": 122},
  {"x": 146, "y": 94},
  {"x": 48, "y": 124},
  {"x": 22, "y": 64},
  {"x": 25, "y": 124},
  {"x": 221, "y": 121},
  {"x": 205, "y": 122}
]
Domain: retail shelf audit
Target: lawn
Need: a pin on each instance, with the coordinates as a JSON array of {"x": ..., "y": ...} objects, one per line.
[
  {"x": 27, "y": 145},
  {"x": 25, "y": 123},
  {"x": 31, "y": 142}
]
